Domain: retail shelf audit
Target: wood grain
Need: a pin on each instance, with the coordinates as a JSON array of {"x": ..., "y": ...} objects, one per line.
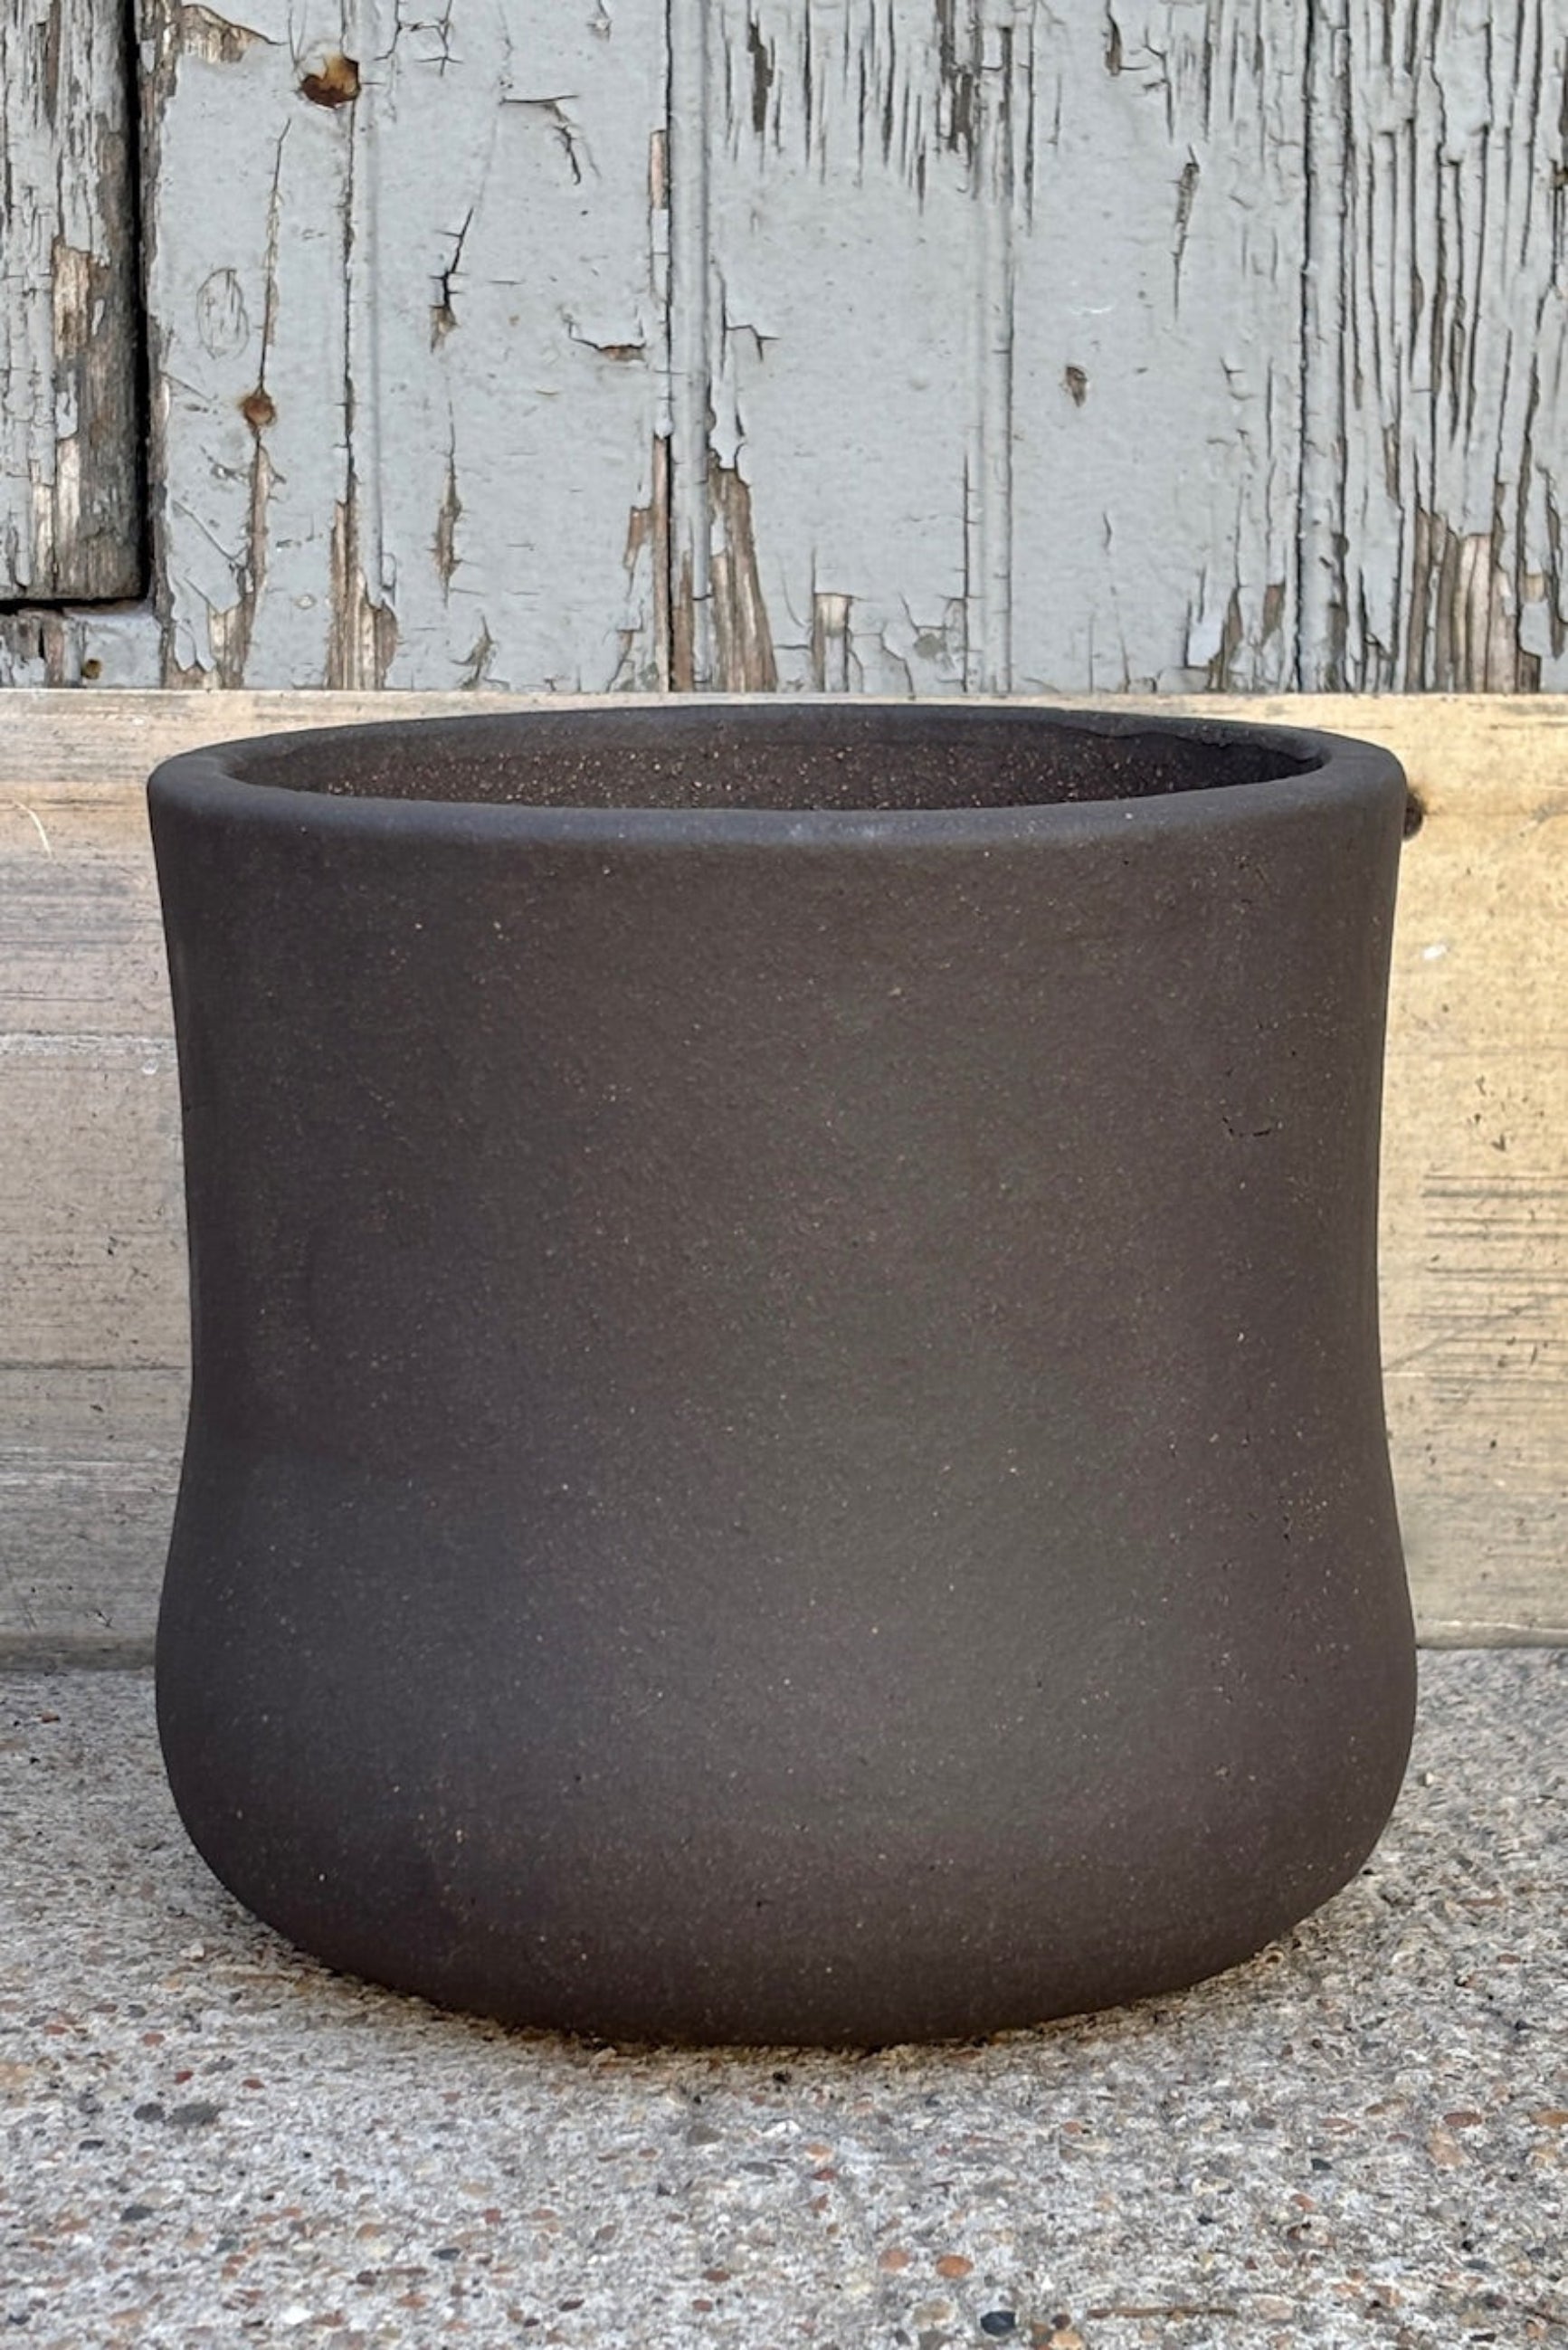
[
  {"x": 1475, "y": 1168},
  {"x": 891, "y": 346},
  {"x": 71, "y": 519},
  {"x": 1436, "y": 378}
]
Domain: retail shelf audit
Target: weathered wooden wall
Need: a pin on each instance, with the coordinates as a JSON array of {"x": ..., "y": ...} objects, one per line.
[
  {"x": 903, "y": 345},
  {"x": 1475, "y": 1198},
  {"x": 898, "y": 345},
  {"x": 71, "y": 426}
]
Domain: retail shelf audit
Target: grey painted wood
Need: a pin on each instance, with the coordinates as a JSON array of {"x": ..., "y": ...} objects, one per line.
[
  {"x": 1438, "y": 375},
  {"x": 846, "y": 345},
  {"x": 1004, "y": 341},
  {"x": 823, "y": 286},
  {"x": 407, "y": 341},
  {"x": 1156, "y": 348},
  {"x": 1167, "y": 347},
  {"x": 70, "y": 522},
  {"x": 85, "y": 644}
]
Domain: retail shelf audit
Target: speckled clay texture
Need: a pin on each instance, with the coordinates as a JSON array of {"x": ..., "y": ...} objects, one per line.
[
  {"x": 786, "y": 1440},
  {"x": 1359, "y": 2139}
]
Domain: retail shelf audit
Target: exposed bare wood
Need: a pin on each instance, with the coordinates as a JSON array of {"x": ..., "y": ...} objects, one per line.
[
  {"x": 70, "y": 523},
  {"x": 109, "y": 743},
  {"x": 1475, "y": 1192},
  {"x": 90, "y": 1258},
  {"x": 1437, "y": 388}
]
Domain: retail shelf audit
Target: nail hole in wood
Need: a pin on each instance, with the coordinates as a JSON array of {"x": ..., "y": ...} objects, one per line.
[{"x": 337, "y": 83}]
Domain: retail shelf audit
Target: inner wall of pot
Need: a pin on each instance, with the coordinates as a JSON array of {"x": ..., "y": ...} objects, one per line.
[{"x": 862, "y": 758}]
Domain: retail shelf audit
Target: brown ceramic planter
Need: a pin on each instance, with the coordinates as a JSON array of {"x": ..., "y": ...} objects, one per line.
[{"x": 786, "y": 1439}]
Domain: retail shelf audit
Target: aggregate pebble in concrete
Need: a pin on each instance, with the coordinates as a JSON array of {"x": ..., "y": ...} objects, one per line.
[{"x": 1359, "y": 2139}]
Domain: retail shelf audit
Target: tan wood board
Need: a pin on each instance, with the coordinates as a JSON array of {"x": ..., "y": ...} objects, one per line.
[{"x": 1475, "y": 1184}]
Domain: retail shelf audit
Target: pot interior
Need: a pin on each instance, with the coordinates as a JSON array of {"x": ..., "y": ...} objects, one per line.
[{"x": 860, "y": 757}]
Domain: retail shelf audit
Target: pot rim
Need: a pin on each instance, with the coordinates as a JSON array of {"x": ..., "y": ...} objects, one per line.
[{"x": 1334, "y": 769}]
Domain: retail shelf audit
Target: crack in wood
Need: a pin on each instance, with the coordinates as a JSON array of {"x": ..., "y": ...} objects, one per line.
[
  {"x": 443, "y": 313},
  {"x": 1435, "y": 343},
  {"x": 743, "y": 645},
  {"x": 448, "y": 515}
]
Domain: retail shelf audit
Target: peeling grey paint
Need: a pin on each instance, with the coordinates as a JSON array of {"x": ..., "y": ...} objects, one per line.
[
  {"x": 430, "y": 244},
  {"x": 1158, "y": 349},
  {"x": 1437, "y": 369},
  {"x": 69, "y": 414},
  {"x": 901, "y": 346},
  {"x": 843, "y": 350},
  {"x": 930, "y": 236}
]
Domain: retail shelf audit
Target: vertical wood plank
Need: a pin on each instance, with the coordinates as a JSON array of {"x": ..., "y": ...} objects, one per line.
[
  {"x": 407, "y": 342},
  {"x": 835, "y": 432},
  {"x": 1437, "y": 393},
  {"x": 1159, "y": 214},
  {"x": 1004, "y": 342},
  {"x": 70, "y": 522}
]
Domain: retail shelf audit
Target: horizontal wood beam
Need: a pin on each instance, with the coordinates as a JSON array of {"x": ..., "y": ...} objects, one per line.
[{"x": 1475, "y": 1168}]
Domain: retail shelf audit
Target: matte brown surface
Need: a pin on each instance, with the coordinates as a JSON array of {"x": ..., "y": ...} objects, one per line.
[{"x": 787, "y": 1439}]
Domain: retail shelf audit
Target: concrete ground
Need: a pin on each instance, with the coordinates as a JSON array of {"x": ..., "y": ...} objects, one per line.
[{"x": 1359, "y": 2138}]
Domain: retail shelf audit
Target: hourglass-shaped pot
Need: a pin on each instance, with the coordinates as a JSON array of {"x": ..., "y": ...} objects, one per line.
[{"x": 786, "y": 1440}]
